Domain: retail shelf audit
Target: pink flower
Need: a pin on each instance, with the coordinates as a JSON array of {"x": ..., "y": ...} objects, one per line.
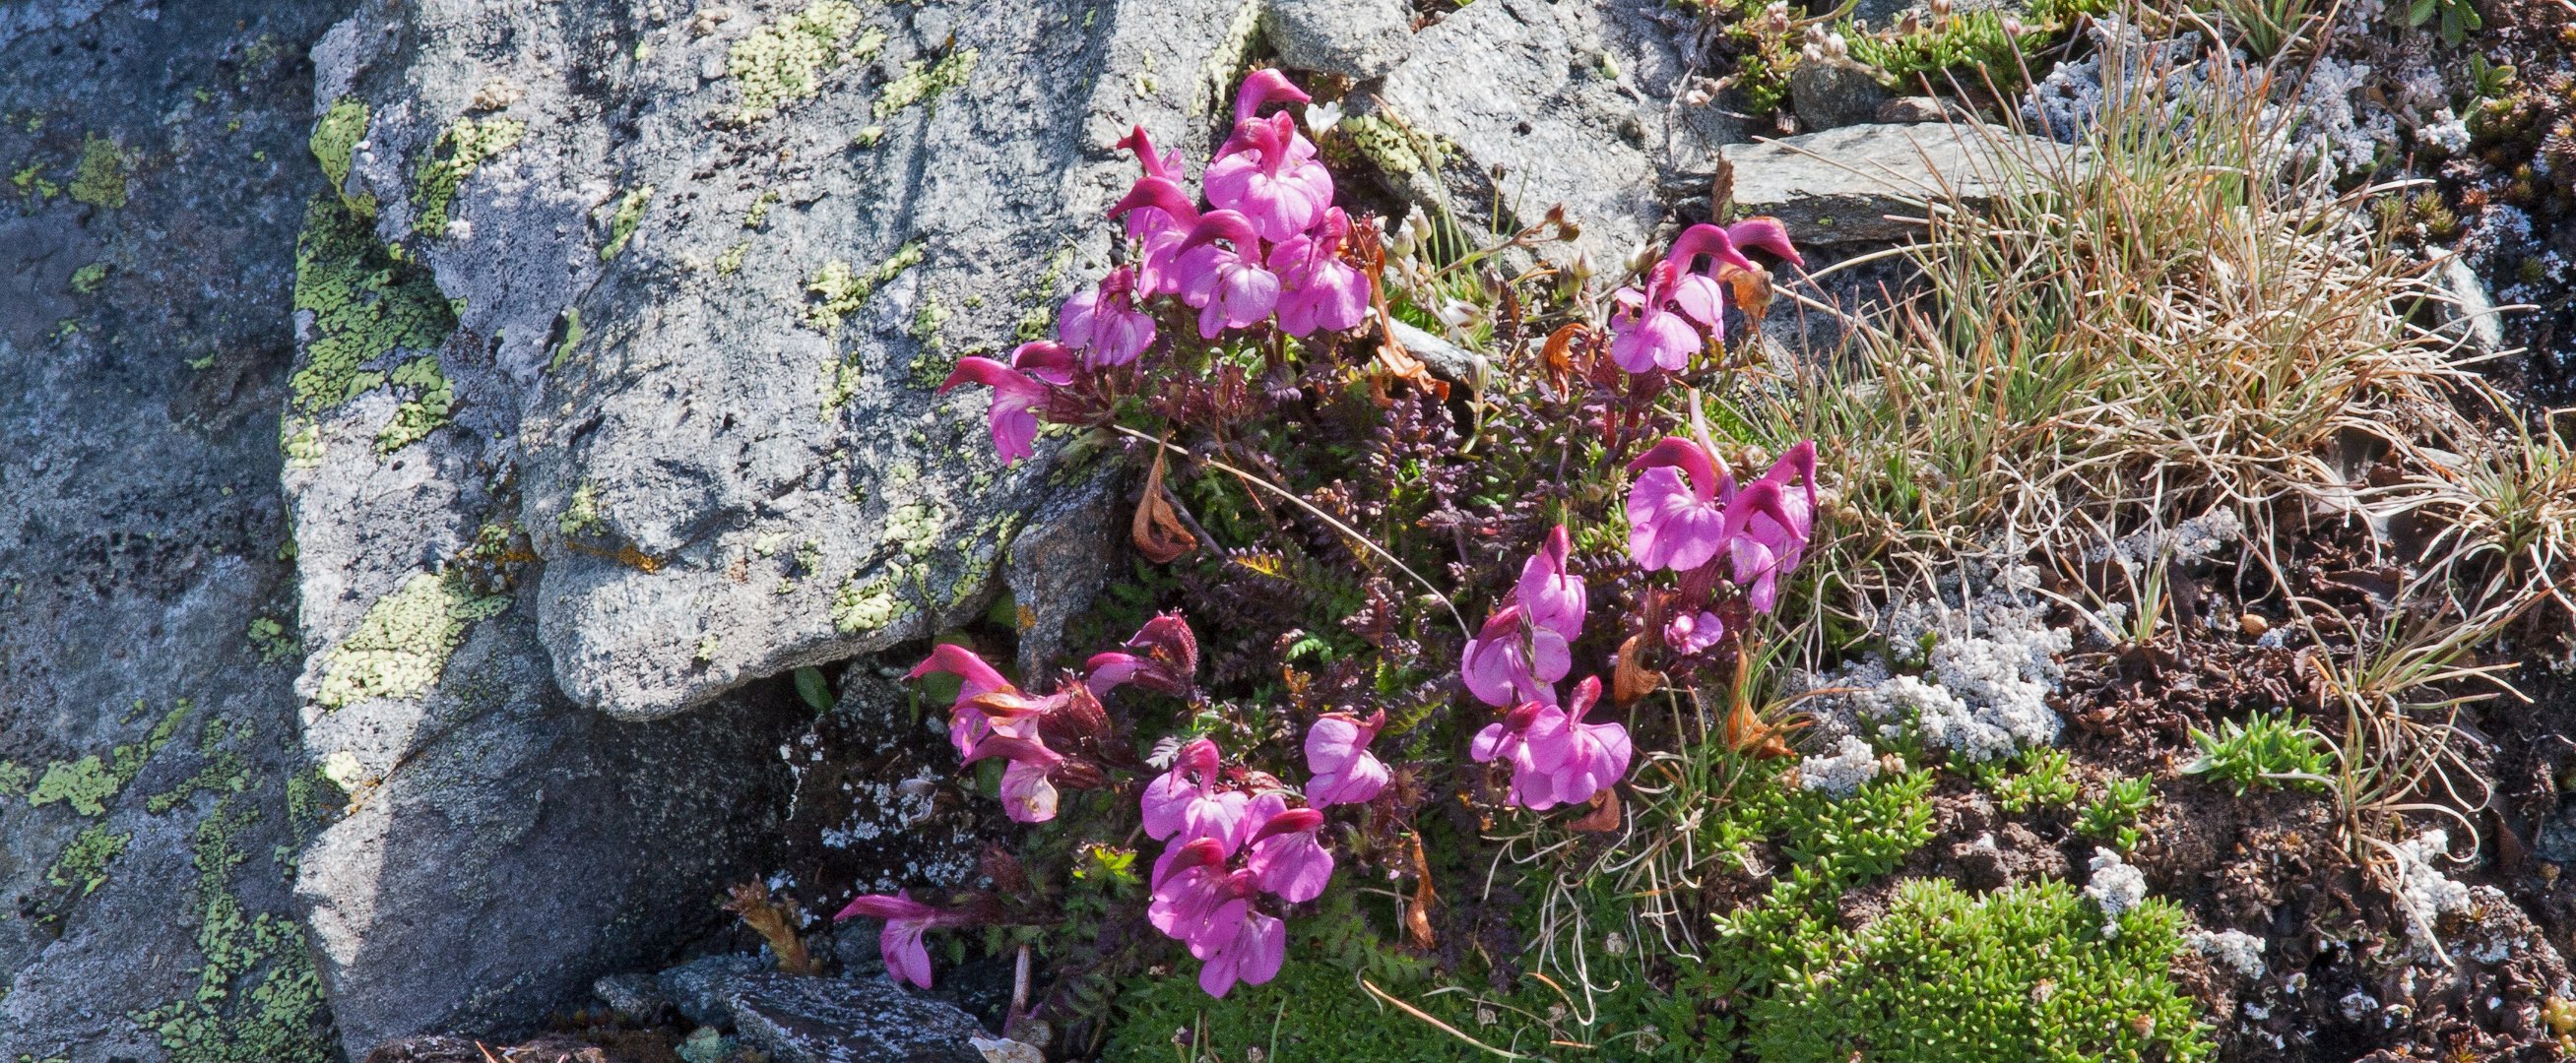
[
  {"x": 1166, "y": 165},
  {"x": 1507, "y": 663},
  {"x": 1028, "y": 794},
  {"x": 1103, "y": 322},
  {"x": 1177, "y": 804},
  {"x": 1190, "y": 880},
  {"x": 1018, "y": 389},
  {"x": 1775, "y": 540},
  {"x": 1319, "y": 290},
  {"x": 1690, "y": 633},
  {"x": 1159, "y": 216},
  {"x": 1580, "y": 759},
  {"x": 1267, "y": 171},
  {"x": 1345, "y": 772},
  {"x": 966, "y": 725},
  {"x": 1251, "y": 955},
  {"x": 1646, "y": 332},
  {"x": 1765, "y": 234},
  {"x": 1262, "y": 88},
  {"x": 1696, "y": 294},
  {"x": 1552, "y": 596},
  {"x": 900, "y": 942},
  {"x": 1676, "y": 512},
  {"x": 1518, "y": 737},
  {"x": 1283, "y": 852},
  {"x": 1225, "y": 281},
  {"x": 1165, "y": 660}
]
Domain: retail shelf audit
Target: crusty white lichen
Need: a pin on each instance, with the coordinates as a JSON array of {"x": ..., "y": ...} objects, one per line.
[
  {"x": 1840, "y": 775},
  {"x": 2116, "y": 886},
  {"x": 1984, "y": 683}
]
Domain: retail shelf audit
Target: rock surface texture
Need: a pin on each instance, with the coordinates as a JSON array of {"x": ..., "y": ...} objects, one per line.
[
  {"x": 1868, "y": 183},
  {"x": 151, "y": 792}
]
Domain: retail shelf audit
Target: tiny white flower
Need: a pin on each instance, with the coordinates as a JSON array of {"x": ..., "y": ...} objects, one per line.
[{"x": 1322, "y": 117}]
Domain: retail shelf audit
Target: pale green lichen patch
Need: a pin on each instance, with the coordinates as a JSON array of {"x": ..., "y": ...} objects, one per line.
[
  {"x": 758, "y": 215},
  {"x": 572, "y": 336},
  {"x": 866, "y": 606},
  {"x": 403, "y": 642},
  {"x": 364, "y": 304},
  {"x": 842, "y": 291},
  {"x": 731, "y": 260},
  {"x": 582, "y": 515},
  {"x": 14, "y": 778},
  {"x": 621, "y": 226},
  {"x": 99, "y": 180},
  {"x": 272, "y": 641},
  {"x": 784, "y": 61},
  {"x": 433, "y": 398},
  {"x": 258, "y": 998},
  {"x": 459, "y": 149},
  {"x": 30, "y": 182},
  {"x": 86, "y": 279},
  {"x": 88, "y": 784},
  {"x": 924, "y": 83},
  {"x": 336, "y": 137},
  {"x": 303, "y": 445},
  {"x": 82, "y": 867}
]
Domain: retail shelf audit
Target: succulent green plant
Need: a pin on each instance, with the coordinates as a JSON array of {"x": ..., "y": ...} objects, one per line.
[{"x": 2268, "y": 749}]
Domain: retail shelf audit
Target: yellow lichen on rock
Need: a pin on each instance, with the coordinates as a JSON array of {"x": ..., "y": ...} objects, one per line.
[{"x": 403, "y": 642}]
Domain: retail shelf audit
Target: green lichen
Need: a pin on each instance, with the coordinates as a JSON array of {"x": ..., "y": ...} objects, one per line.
[
  {"x": 82, "y": 867},
  {"x": 581, "y": 516},
  {"x": 224, "y": 770},
  {"x": 88, "y": 784},
  {"x": 572, "y": 336},
  {"x": 925, "y": 82},
  {"x": 783, "y": 61},
  {"x": 459, "y": 149},
  {"x": 403, "y": 642},
  {"x": 270, "y": 639},
  {"x": 258, "y": 998},
  {"x": 99, "y": 179},
  {"x": 336, "y": 137},
  {"x": 731, "y": 260},
  {"x": 364, "y": 304},
  {"x": 303, "y": 444},
  {"x": 86, "y": 279},
  {"x": 867, "y": 606},
  {"x": 621, "y": 227},
  {"x": 431, "y": 402},
  {"x": 913, "y": 528},
  {"x": 868, "y": 137},
  {"x": 758, "y": 215},
  {"x": 30, "y": 182},
  {"x": 14, "y": 778},
  {"x": 842, "y": 291},
  {"x": 1391, "y": 146},
  {"x": 707, "y": 649}
]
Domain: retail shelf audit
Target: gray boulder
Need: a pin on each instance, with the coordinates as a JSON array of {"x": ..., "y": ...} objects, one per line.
[
  {"x": 151, "y": 798},
  {"x": 1869, "y": 183},
  {"x": 1536, "y": 103},
  {"x": 1357, "y": 39},
  {"x": 1829, "y": 93}
]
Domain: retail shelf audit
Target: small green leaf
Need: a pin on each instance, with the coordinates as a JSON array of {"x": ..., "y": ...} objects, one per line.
[{"x": 811, "y": 686}]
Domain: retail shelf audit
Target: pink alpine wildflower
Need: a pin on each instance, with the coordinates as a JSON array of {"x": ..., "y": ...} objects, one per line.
[
  {"x": 1018, "y": 390},
  {"x": 1647, "y": 333},
  {"x": 1163, "y": 657},
  {"x": 1317, "y": 289},
  {"x": 1676, "y": 507},
  {"x": 1518, "y": 738},
  {"x": 1028, "y": 794},
  {"x": 1189, "y": 881},
  {"x": 1580, "y": 759},
  {"x": 1552, "y": 595},
  {"x": 1185, "y": 802},
  {"x": 1344, "y": 771},
  {"x": 1505, "y": 665},
  {"x": 1283, "y": 852},
  {"x": 1690, "y": 633},
  {"x": 1159, "y": 216},
  {"x": 975, "y": 678},
  {"x": 1775, "y": 539},
  {"x": 1267, "y": 170},
  {"x": 1251, "y": 955},
  {"x": 900, "y": 942},
  {"x": 1260, "y": 89},
  {"x": 1697, "y": 294},
  {"x": 1103, "y": 323},
  {"x": 1226, "y": 281}
]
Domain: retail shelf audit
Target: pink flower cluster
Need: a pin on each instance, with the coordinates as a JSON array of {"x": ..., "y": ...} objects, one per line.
[
  {"x": 1686, "y": 514},
  {"x": 1232, "y": 839},
  {"x": 1514, "y": 663},
  {"x": 1266, "y": 247},
  {"x": 905, "y": 921},
  {"x": 1683, "y": 304}
]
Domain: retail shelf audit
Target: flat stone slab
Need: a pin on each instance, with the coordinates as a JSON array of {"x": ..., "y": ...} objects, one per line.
[
  {"x": 1869, "y": 183},
  {"x": 798, "y": 1019}
]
